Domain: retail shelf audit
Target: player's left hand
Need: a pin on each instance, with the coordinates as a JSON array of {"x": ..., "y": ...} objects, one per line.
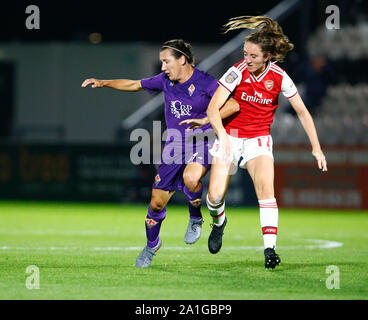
[
  {"x": 95, "y": 83},
  {"x": 321, "y": 160},
  {"x": 194, "y": 123}
]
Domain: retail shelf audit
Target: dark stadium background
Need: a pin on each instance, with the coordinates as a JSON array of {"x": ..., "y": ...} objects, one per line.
[{"x": 157, "y": 21}]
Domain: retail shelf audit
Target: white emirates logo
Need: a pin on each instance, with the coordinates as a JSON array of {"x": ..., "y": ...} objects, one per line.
[
  {"x": 259, "y": 95},
  {"x": 256, "y": 98}
]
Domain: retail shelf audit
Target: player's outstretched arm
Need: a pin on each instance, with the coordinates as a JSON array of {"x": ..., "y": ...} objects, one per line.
[
  {"x": 309, "y": 127},
  {"x": 230, "y": 107},
  {"x": 118, "y": 84}
]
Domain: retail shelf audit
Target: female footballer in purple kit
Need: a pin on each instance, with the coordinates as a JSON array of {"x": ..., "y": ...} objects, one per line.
[{"x": 185, "y": 158}]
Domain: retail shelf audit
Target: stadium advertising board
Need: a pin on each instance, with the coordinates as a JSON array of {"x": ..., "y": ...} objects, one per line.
[
  {"x": 93, "y": 172},
  {"x": 72, "y": 172},
  {"x": 298, "y": 182}
]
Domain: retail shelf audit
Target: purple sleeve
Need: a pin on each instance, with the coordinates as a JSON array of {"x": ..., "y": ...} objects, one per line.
[
  {"x": 212, "y": 87},
  {"x": 153, "y": 84}
]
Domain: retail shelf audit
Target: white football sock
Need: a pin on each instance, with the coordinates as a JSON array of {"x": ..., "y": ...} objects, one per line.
[
  {"x": 217, "y": 213},
  {"x": 269, "y": 216}
]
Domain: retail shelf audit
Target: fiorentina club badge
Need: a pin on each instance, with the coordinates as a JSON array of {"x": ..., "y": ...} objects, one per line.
[
  {"x": 150, "y": 223},
  {"x": 196, "y": 203},
  {"x": 191, "y": 89},
  {"x": 157, "y": 179},
  {"x": 268, "y": 84}
]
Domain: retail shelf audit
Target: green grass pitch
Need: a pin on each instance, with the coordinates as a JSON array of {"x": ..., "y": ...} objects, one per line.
[{"x": 88, "y": 251}]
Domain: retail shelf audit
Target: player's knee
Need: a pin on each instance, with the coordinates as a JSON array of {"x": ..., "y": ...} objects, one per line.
[
  {"x": 264, "y": 190},
  {"x": 214, "y": 200},
  {"x": 157, "y": 205},
  {"x": 191, "y": 183}
]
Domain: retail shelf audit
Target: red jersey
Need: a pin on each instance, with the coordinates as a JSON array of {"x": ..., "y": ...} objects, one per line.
[{"x": 257, "y": 97}]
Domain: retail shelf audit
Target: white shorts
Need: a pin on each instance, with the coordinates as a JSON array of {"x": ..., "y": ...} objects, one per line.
[{"x": 244, "y": 149}]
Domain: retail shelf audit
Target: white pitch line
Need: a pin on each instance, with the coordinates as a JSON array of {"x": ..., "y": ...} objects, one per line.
[
  {"x": 318, "y": 244},
  {"x": 61, "y": 233},
  {"x": 324, "y": 244}
]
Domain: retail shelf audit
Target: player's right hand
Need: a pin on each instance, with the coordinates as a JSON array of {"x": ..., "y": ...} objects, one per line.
[
  {"x": 94, "y": 82},
  {"x": 225, "y": 145},
  {"x": 194, "y": 123}
]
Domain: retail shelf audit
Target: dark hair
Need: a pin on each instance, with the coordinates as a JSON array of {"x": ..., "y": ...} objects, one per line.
[
  {"x": 269, "y": 35},
  {"x": 180, "y": 48}
]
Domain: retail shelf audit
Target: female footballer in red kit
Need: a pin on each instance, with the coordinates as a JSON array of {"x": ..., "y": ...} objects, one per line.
[{"x": 256, "y": 83}]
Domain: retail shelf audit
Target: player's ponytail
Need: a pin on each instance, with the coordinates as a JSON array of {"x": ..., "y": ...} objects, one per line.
[
  {"x": 269, "y": 34},
  {"x": 180, "y": 48}
]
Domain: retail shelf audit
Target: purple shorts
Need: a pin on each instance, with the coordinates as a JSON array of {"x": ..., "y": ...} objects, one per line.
[{"x": 174, "y": 161}]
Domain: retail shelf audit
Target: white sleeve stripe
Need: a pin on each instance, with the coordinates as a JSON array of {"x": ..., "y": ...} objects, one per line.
[
  {"x": 243, "y": 68},
  {"x": 240, "y": 66},
  {"x": 276, "y": 67},
  {"x": 277, "y": 71}
]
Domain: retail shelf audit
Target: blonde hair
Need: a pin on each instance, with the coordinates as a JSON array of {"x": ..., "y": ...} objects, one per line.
[{"x": 269, "y": 35}]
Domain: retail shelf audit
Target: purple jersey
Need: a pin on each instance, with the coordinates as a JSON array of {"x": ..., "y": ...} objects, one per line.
[{"x": 188, "y": 100}]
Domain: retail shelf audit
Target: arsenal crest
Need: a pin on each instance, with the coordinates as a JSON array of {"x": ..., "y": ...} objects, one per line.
[{"x": 268, "y": 84}]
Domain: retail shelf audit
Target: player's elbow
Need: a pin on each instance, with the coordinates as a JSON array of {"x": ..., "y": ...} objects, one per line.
[
  {"x": 303, "y": 113},
  {"x": 208, "y": 113},
  {"x": 210, "y": 110},
  {"x": 135, "y": 86}
]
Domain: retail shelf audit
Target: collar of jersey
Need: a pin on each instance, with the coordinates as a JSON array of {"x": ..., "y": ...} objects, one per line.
[
  {"x": 188, "y": 81},
  {"x": 261, "y": 76}
]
